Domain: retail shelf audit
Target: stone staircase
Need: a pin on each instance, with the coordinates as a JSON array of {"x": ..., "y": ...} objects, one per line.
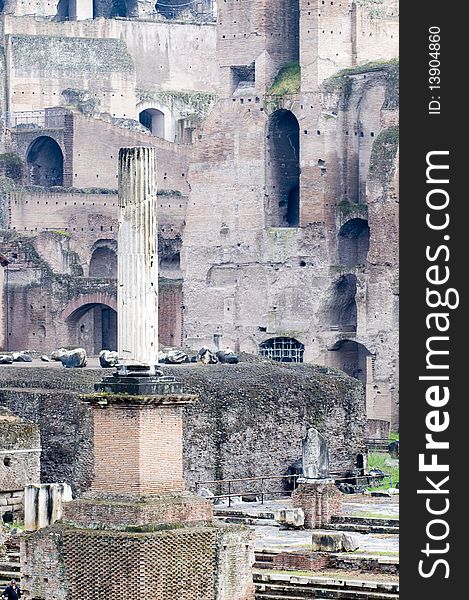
[
  {"x": 270, "y": 586},
  {"x": 10, "y": 566}
]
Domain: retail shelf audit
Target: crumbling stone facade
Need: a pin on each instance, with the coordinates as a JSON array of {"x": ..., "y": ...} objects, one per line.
[
  {"x": 242, "y": 425},
  {"x": 276, "y": 135},
  {"x": 20, "y": 451}
]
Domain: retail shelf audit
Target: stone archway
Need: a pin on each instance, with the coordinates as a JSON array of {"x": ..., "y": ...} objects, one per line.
[
  {"x": 45, "y": 162},
  {"x": 92, "y": 323},
  {"x": 351, "y": 357}
]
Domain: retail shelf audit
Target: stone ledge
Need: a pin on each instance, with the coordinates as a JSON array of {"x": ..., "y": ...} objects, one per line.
[
  {"x": 104, "y": 399},
  {"x": 149, "y": 513}
]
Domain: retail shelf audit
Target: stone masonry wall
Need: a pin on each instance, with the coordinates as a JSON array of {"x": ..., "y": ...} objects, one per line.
[
  {"x": 249, "y": 421},
  {"x": 19, "y": 460}
]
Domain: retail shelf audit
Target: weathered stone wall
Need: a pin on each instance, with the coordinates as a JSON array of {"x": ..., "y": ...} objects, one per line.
[
  {"x": 20, "y": 451},
  {"x": 249, "y": 421},
  {"x": 103, "y": 67},
  {"x": 337, "y": 35},
  {"x": 265, "y": 32},
  {"x": 173, "y": 57},
  {"x": 251, "y": 282}
]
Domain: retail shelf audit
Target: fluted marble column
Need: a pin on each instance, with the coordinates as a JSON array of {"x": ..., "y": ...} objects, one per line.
[{"x": 137, "y": 278}]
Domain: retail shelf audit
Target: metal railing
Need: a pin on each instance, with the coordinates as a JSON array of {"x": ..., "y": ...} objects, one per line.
[
  {"x": 50, "y": 118},
  {"x": 262, "y": 492}
]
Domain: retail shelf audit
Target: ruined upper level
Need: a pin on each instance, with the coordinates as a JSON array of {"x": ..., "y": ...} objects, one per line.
[{"x": 80, "y": 10}]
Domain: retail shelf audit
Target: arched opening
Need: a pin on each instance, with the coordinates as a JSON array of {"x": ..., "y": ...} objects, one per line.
[
  {"x": 124, "y": 8},
  {"x": 170, "y": 9},
  {"x": 103, "y": 263},
  {"x": 2, "y": 5},
  {"x": 354, "y": 242},
  {"x": 153, "y": 119},
  {"x": 350, "y": 356},
  {"x": 45, "y": 162},
  {"x": 94, "y": 327},
  {"x": 342, "y": 314},
  {"x": 283, "y": 164},
  {"x": 282, "y": 349}
]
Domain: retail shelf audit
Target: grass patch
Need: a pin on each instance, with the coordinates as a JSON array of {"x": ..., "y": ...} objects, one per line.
[
  {"x": 288, "y": 80},
  {"x": 372, "y": 515},
  {"x": 377, "y": 460},
  {"x": 394, "y": 436}
]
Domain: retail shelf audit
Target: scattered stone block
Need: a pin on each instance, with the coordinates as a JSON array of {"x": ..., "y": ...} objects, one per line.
[
  {"x": 206, "y": 356},
  {"x": 74, "y": 359},
  {"x": 290, "y": 518},
  {"x": 108, "y": 359},
  {"x": 333, "y": 541},
  {"x": 6, "y": 359},
  {"x": 43, "y": 504},
  {"x": 176, "y": 357},
  {"x": 57, "y": 354},
  {"x": 227, "y": 356}
]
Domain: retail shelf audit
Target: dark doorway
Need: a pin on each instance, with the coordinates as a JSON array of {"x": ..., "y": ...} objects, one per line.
[
  {"x": 45, "y": 162},
  {"x": 354, "y": 243},
  {"x": 283, "y": 164},
  {"x": 350, "y": 356},
  {"x": 342, "y": 313},
  {"x": 153, "y": 119},
  {"x": 94, "y": 328},
  {"x": 103, "y": 263}
]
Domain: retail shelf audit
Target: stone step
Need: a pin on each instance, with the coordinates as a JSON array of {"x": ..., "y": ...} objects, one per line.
[
  {"x": 271, "y": 592},
  {"x": 9, "y": 566},
  {"x": 302, "y": 582},
  {"x": 325, "y": 594},
  {"x": 7, "y": 575},
  {"x": 231, "y": 512},
  {"x": 373, "y": 521},
  {"x": 247, "y": 521},
  {"x": 361, "y": 528}
]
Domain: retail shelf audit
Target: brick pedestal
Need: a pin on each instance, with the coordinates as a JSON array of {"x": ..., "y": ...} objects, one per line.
[
  {"x": 320, "y": 500},
  {"x": 138, "y": 528}
]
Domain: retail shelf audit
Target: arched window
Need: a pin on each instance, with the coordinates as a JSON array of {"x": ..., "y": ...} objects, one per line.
[
  {"x": 283, "y": 164},
  {"x": 282, "y": 349},
  {"x": 2, "y": 5},
  {"x": 354, "y": 242},
  {"x": 45, "y": 162},
  {"x": 103, "y": 263},
  {"x": 153, "y": 119},
  {"x": 350, "y": 356}
]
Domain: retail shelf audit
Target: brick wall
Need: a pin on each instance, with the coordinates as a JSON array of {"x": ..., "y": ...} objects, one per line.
[
  {"x": 138, "y": 450},
  {"x": 292, "y": 561},
  {"x": 203, "y": 563}
]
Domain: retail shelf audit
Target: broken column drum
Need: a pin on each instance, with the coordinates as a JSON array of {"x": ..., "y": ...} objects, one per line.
[{"x": 137, "y": 291}]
